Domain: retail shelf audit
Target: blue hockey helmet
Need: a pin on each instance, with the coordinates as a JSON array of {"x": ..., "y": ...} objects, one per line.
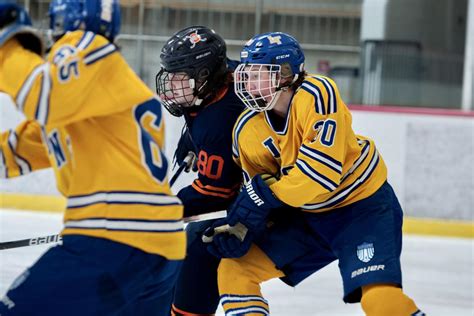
[
  {"x": 270, "y": 64},
  {"x": 274, "y": 48},
  {"x": 15, "y": 22},
  {"x": 98, "y": 16}
]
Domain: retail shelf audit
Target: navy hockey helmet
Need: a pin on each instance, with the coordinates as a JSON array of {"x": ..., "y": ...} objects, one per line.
[
  {"x": 192, "y": 62},
  {"x": 98, "y": 16}
]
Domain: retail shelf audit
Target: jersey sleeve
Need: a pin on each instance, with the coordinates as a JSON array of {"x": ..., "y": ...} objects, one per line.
[
  {"x": 324, "y": 122},
  {"x": 22, "y": 150},
  {"x": 84, "y": 77}
]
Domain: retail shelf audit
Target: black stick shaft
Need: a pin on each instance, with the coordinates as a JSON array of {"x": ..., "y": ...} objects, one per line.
[
  {"x": 30, "y": 242},
  {"x": 57, "y": 238},
  {"x": 182, "y": 166}
]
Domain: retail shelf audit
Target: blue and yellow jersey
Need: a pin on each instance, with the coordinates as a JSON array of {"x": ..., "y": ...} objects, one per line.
[
  {"x": 103, "y": 132},
  {"x": 323, "y": 163}
]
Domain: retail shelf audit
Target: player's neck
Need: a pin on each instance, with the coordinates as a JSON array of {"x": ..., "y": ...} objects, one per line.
[{"x": 283, "y": 103}]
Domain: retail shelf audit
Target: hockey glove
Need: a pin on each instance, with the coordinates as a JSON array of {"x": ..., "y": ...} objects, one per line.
[
  {"x": 252, "y": 206},
  {"x": 250, "y": 210},
  {"x": 15, "y": 22},
  {"x": 225, "y": 241}
]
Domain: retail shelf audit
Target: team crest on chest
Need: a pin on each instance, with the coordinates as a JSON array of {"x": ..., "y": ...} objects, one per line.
[
  {"x": 195, "y": 38},
  {"x": 365, "y": 251}
]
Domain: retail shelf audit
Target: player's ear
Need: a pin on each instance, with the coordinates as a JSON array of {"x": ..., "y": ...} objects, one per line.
[
  {"x": 286, "y": 71},
  {"x": 286, "y": 74}
]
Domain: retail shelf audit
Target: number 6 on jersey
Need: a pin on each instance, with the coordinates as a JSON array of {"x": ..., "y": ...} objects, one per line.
[{"x": 150, "y": 122}]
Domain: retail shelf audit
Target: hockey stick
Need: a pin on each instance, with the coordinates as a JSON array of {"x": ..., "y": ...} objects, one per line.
[
  {"x": 30, "y": 242},
  {"x": 187, "y": 161},
  {"x": 57, "y": 238}
]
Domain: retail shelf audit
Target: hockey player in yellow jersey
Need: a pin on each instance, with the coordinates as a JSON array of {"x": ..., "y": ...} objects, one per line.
[
  {"x": 336, "y": 177},
  {"x": 92, "y": 120}
]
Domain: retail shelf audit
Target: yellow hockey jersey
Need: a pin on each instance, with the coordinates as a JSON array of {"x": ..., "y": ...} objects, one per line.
[
  {"x": 322, "y": 162},
  {"x": 102, "y": 131}
]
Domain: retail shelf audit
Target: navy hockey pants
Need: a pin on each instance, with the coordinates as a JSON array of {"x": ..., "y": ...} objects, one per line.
[{"x": 93, "y": 276}]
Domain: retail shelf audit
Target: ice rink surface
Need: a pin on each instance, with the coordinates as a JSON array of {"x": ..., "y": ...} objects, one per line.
[{"x": 438, "y": 272}]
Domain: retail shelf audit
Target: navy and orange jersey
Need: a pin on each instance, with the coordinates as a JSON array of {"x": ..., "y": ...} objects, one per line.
[
  {"x": 102, "y": 131},
  {"x": 322, "y": 162},
  {"x": 219, "y": 178}
]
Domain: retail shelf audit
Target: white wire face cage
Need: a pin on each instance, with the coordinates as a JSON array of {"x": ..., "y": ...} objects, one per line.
[
  {"x": 258, "y": 85},
  {"x": 175, "y": 90}
]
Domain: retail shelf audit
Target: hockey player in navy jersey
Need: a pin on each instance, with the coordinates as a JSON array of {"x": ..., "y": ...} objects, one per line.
[
  {"x": 92, "y": 120},
  {"x": 337, "y": 179},
  {"x": 196, "y": 82}
]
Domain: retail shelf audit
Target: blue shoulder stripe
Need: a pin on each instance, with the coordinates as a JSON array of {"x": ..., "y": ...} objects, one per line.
[
  {"x": 99, "y": 53},
  {"x": 332, "y": 101},
  {"x": 325, "y": 182},
  {"x": 85, "y": 40},
  {"x": 318, "y": 97},
  {"x": 239, "y": 125},
  {"x": 321, "y": 157}
]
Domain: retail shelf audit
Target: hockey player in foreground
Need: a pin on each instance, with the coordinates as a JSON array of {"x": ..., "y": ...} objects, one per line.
[
  {"x": 337, "y": 178},
  {"x": 123, "y": 237},
  {"x": 196, "y": 82}
]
